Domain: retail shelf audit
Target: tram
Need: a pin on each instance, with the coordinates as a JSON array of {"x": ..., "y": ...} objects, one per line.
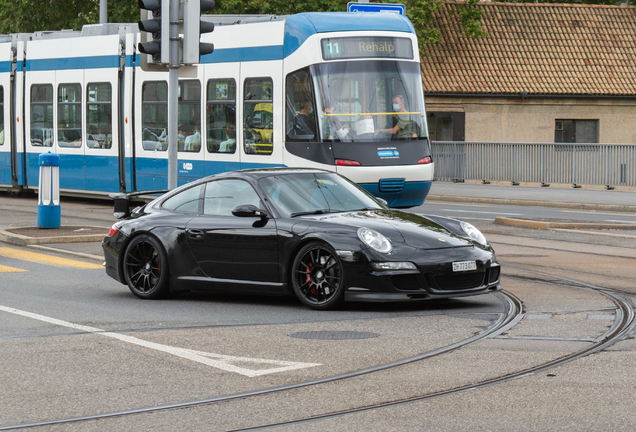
[{"x": 336, "y": 91}]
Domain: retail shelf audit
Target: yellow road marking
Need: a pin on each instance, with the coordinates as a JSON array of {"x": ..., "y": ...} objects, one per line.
[
  {"x": 46, "y": 259},
  {"x": 7, "y": 269},
  {"x": 599, "y": 213},
  {"x": 447, "y": 203}
]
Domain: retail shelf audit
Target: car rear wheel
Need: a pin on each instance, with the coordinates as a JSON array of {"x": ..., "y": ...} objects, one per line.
[
  {"x": 146, "y": 268},
  {"x": 317, "y": 276}
]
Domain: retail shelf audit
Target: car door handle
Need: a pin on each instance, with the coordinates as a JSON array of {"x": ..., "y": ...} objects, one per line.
[{"x": 195, "y": 233}]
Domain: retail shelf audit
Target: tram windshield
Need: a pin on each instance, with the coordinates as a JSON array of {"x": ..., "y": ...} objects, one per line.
[{"x": 373, "y": 101}]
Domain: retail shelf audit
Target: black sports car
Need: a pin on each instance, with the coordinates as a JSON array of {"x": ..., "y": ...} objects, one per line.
[{"x": 309, "y": 232}]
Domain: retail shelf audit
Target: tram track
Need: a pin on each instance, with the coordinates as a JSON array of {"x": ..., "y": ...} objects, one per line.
[
  {"x": 622, "y": 326},
  {"x": 514, "y": 310}
]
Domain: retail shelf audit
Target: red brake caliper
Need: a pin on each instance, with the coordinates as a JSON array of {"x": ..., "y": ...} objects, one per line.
[{"x": 312, "y": 288}]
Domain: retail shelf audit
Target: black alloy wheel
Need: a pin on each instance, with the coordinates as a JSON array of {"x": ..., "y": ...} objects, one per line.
[
  {"x": 317, "y": 276},
  {"x": 146, "y": 268}
]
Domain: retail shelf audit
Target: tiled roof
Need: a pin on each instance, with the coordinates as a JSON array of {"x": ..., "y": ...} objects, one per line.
[{"x": 546, "y": 49}]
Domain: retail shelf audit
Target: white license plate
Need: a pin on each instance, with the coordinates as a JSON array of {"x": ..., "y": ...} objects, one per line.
[{"x": 464, "y": 266}]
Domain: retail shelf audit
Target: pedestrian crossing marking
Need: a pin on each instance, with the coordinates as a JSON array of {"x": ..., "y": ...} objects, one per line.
[
  {"x": 46, "y": 259},
  {"x": 7, "y": 269}
]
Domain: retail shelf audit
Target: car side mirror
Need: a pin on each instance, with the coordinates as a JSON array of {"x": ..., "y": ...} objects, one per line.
[
  {"x": 249, "y": 210},
  {"x": 382, "y": 201}
]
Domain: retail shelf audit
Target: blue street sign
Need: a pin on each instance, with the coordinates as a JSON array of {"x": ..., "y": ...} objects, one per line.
[{"x": 376, "y": 7}]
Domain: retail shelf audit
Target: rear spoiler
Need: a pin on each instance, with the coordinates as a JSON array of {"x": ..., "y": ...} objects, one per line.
[{"x": 122, "y": 201}]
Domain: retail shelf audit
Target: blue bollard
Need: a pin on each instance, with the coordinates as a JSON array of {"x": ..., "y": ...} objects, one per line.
[{"x": 49, "y": 210}]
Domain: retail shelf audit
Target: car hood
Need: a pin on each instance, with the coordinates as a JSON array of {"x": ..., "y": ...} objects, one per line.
[{"x": 409, "y": 228}]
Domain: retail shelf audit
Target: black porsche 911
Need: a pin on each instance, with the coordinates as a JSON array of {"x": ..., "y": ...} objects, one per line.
[{"x": 309, "y": 232}]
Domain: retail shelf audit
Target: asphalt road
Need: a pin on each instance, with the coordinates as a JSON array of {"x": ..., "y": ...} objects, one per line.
[{"x": 73, "y": 342}]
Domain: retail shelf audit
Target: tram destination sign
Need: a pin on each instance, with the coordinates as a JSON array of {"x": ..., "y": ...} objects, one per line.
[{"x": 366, "y": 47}]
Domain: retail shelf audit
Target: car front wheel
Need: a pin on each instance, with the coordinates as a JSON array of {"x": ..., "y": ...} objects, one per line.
[
  {"x": 146, "y": 268},
  {"x": 317, "y": 276}
]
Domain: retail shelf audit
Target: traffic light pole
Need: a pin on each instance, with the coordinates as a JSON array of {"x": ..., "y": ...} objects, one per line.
[{"x": 173, "y": 96}]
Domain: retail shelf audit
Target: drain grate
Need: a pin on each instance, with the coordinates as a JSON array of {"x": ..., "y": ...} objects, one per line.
[{"x": 334, "y": 335}]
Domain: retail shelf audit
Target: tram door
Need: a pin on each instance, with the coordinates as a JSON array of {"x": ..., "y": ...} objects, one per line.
[
  {"x": 101, "y": 130},
  {"x": 222, "y": 120},
  {"x": 68, "y": 128},
  {"x": 261, "y": 99},
  {"x": 5, "y": 114}
]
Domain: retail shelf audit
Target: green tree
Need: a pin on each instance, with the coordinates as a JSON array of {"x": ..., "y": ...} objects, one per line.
[
  {"x": 17, "y": 16},
  {"x": 25, "y": 16}
]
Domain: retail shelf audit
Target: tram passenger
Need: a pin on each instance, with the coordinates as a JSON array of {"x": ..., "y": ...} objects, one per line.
[
  {"x": 229, "y": 145},
  {"x": 304, "y": 123},
  {"x": 193, "y": 142},
  {"x": 333, "y": 125},
  {"x": 403, "y": 127}
]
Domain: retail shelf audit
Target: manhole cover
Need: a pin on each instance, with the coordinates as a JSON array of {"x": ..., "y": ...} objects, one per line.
[
  {"x": 520, "y": 256},
  {"x": 334, "y": 335}
]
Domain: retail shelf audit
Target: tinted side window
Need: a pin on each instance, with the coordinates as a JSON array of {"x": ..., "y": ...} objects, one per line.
[
  {"x": 42, "y": 115},
  {"x": 258, "y": 116},
  {"x": 222, "y": 196},
  {"x": 186, "y": 201},
  {"x": 99, "y": 118},
  {"x": 69, "y": 115},
  {"x": 154, "y": 113},
  {"x": 221, "y": 112}
]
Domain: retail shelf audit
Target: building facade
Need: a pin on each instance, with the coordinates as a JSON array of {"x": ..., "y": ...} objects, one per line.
[{"x": 545, "y": 73}]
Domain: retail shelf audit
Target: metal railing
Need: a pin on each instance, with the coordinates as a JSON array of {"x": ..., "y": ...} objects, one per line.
[{"x": 593, "y": 164}]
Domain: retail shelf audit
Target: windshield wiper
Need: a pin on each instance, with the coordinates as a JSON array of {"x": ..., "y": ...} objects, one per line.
[
  {"x": 366, "y": 209},
  {"x": 321, "y": 211}
]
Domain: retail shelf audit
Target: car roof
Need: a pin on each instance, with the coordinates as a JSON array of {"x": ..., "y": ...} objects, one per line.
[{"x": 266, "y": 172}]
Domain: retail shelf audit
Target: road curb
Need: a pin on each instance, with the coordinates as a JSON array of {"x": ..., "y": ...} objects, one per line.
[
  {"x": 68, "y": 252},
  {"x": 21, "y": 240},
  {"x": 528, "y": 223},
  {"x": 534, "y": 203}
]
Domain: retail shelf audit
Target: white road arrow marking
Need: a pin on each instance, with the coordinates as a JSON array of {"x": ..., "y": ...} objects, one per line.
[{"x": 219, "y": 361}]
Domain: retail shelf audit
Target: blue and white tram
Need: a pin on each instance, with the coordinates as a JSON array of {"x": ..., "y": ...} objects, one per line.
[{"x": 338, "y": 91}]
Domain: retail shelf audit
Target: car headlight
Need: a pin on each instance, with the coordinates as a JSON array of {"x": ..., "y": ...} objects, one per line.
[
  {"x": 375, "y": 240},
  {"x": 474, "y": 233}
]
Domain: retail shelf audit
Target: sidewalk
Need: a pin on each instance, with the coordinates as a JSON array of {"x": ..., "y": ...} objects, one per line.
[
  {"x": 582, "y": 198},
  {"x": 85, "y": 222}
]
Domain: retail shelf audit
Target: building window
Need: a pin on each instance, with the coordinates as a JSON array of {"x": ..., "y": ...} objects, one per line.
[
  {"x": 446, "y": 126},
  {"x": 42, "y": 115},
  {"x": 154, "y": 114},
  {"x": 99, "y": 117},
  {"x": 576, "y": 131},
  {"x": 189, "y": 134},
  {"x": 221, "y": 116},
  {"x": 258, "y": 116}
]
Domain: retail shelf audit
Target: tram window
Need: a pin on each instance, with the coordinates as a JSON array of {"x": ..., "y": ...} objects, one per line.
[
  {"x": 41, "y": 115},
  {"x": 154, "y": 113},
  {"x": 300, "y": 102},
  {"x": 221, "y": 116},
  {"x": 189, "y": 133},
  {"x": 258, "y": 117},
  {"x": 1, "y": 115},
  {"x": 69, "y": 115},
  {"x": 99, "y": 117}
]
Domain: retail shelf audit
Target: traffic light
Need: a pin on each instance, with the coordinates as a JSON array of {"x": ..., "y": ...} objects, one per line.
[
  {"x": 193, "y": 28},
  {"x": 156, "y": 41}
]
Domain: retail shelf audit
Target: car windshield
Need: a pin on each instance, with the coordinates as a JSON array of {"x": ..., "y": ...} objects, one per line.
[
  {"x": 316, "y": 193},
  {"x": 371, "y": 101}
]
